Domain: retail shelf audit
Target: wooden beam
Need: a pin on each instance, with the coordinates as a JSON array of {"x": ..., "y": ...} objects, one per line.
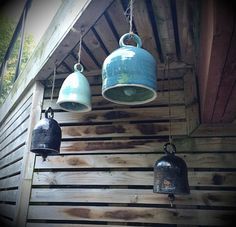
[{"x": 217, "y": 24}]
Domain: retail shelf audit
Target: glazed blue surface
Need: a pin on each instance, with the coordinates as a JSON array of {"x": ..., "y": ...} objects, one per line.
[{"x": 132, "y": 69}]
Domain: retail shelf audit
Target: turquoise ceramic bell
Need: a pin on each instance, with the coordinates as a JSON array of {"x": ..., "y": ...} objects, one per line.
[
  {"x": 129, "y": 74},
  {"x": 75, "y": 95}
]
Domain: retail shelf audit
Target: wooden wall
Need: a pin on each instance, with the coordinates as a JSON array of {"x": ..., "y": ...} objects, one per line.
[
  {"x": 14, "y": 145},
  {"x": 104, "y": 173}
]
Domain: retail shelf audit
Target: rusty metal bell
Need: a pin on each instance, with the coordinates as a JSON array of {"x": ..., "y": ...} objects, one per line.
[
  {"x": 170, "y": 173},
  {"x": 46, "y": 136}
]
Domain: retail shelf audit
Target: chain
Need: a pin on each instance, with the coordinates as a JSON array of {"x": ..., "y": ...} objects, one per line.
[{"x": 80, "y": 47}]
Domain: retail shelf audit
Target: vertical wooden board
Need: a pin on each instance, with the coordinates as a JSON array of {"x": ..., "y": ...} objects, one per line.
[
  {"x": 104, "y": 31},
  {"x": 165, "y": 26},
  {"x": 116, "y": 13}
]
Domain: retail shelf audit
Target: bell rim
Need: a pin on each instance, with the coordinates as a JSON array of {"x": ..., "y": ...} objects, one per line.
[
  {"x": 50, "y": 151},
  {"x": 88, "y": 107},
  {"x": 128, "y": 85}
]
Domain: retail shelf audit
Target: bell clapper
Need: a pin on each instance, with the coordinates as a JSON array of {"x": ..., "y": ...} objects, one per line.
[{"x": 171, "y": 199}]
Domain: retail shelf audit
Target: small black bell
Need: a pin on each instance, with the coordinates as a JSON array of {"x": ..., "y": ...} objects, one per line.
[
  {"x": 170, "y": 174},
  {"x": 46, "y": 136}
]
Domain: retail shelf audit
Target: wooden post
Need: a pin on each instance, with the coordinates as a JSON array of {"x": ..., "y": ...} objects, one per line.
[{"x": 28, "y": 159}]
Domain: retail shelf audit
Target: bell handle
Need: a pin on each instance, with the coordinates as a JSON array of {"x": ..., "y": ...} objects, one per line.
[
  {"x": 77, "y": 69},
  {"x": 172, "y": 146},
  {"x": 133, "y": 36},
  {"x": 49, "y": 110}
]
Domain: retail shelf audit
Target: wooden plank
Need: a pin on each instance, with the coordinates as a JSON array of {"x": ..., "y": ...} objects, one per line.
[
  {"x": 227, "y": 84},
  {"x": 185, "y": 14},
  {"x": 94, "y": 46},
  {"x": 193, "y": 160},
  {"x": 15, "y": 134},
  {"x": 8, "y": 196},
  {"x": 17, "y": 123},
  {"x": 121, "y": 115},
  {"x": 17, "y": 113},
  {"x": 230, "y": 110},
  {"x": 20, "y": 141},
  {"x": 10, "y": 182},
  {"x": 191, "y": 102},
  {"x": 177, "y": 97},
  {"x": 215, "y": 40},
  {"x": 132, "y": 214},
  {"x": 11, "y": 169},
  {"x": 104, "y": 31},
  {"x": 176, "y": 84},
  {"x": 123, "y": 130},
  {"x": 116, "y": 13},
  {"x": 207, "y": 130},
  {"x": 145, "y": 178},
  {"x": 163, "y": 17},
  {"x": 149, "y": 145},
  {"x": 70, "y": 225},
  {"x": 14, "y": 156},
  {"x": 144, "y": 28},
  {"x": 133, "y": 196},
  {"x": 7, "y": 210}
]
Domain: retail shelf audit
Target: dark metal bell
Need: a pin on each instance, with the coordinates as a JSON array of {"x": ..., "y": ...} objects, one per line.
[
  {"x": 171, "y": 174},
  {"x": 46, "y": 136}
]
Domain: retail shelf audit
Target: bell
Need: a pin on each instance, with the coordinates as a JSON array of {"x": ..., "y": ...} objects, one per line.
[
  {"x": 170, "y": 174},
  {"x": 129, "y": 74},
  {"x": 46, "y": 136},
  {"x": 75, "y": 95}
]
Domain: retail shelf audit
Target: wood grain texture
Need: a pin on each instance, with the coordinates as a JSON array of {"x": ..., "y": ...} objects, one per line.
[
  {"x": 98, "y": 102},
  {"x": 132, "y": 214},
  {"x": 133, "y": 196},
  {"x": 145, "y": 178},
  {"x": 123, "y": 130},
  {"x": 193, "y": 160},
  {"x": 214, "y": 144},
  {"x": 121, "y": 115}
]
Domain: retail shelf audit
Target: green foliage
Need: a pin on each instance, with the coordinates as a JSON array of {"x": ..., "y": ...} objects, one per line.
[{"x": 6, "y": 32}]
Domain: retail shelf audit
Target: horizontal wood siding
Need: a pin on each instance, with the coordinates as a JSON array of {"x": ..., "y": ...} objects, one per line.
[
  {"x": 12, "y": 148},
  {"x": 103, "y": 175}
]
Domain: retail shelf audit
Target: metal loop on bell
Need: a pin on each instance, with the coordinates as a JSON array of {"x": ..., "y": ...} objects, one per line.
[
  {"x": 49, "y": 111},
  {"x": 172, "y": 149},
  {"x": 132, "y": 36},
  {"x": 76, "y": 69}
]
